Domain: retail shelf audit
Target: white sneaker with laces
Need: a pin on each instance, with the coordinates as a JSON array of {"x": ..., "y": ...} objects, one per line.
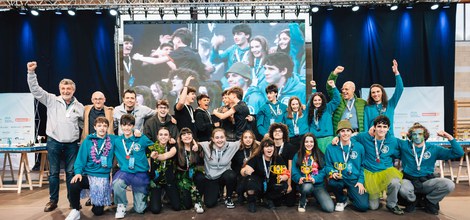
[
  {"x": 198, "y": 208},
  {"x": 73, "y": 215},
  {"x": 120, "y": 211},
  {"x": 301, "y": 208},
  {"x": 340, "y": 206},
  {"x": 229, "y": 203}
]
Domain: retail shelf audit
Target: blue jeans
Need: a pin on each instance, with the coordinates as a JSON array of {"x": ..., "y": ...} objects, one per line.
[
  {"x": 56, "y": 151},
  {"x": 360, "y": 202},
  {"x": 320, "y": 194}
]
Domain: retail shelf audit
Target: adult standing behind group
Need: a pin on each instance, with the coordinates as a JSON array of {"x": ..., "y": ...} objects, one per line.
[
  {"x": 378, "y": 104},
  {"x": 129, "y": 106},
  {"x": 350, "y": 107},
  {"x": 94, "y": 111},
  {"x": 64, "y": 114}
]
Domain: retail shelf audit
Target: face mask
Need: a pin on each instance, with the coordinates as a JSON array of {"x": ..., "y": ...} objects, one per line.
[{"x": 417, "y": 136}]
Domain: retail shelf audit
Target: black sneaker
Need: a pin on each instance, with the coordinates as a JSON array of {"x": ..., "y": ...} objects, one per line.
[
  {"x": 396, "y": 210},
  {"x": 229, "y": 203},
  {"x": 241, "y": 199},
  {"x": 50, "y": 206},
  {"x": 252, "y": 207},
  {"x": 431, "y": 208},
  {"x": 410, "y": 207},
  {"x": 270, "y": 204}
]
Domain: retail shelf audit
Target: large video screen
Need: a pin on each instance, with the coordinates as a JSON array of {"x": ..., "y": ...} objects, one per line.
[{"x": 251, "y": 55}]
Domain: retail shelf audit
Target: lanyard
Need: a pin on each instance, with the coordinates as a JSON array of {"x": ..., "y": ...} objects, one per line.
[
  {"x": 128, "y": 65},
  {"x": 380, "y": 109},
  {"x": 315, "y": 118},
  {"x": 281, "y": 148},
  {"x": 208, "y": 114},
  {"x": 237, "y": 56},
  {"x": 276, "y": 112},
  {"x": 266, "y": 170},
  {"x": 257, "y": 67},
  {"x": 187, "y": 158},
  {"x": 378, "y": 150},
  {"x": 191, "y": 113},
  {"x": 296, "y": 119},
  {"x": 350, "y": 106},
  {"x": 101, "y": 148},
  {"x": 346, "y": 156},
  {"x": 128, "y": 152},
  {"x": 418, "y": 162},
  {"x": 246, "y": 157},
  {"x": 164, "y": 162}
]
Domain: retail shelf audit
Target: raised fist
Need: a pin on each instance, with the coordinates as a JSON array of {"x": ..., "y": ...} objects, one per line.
[{"x": 31, "y": 66}]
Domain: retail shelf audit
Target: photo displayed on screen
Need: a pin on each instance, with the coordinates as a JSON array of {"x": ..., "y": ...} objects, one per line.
[{"x": 222, "y": 55}]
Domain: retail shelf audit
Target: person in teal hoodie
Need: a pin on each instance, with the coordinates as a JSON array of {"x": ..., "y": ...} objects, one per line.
[
  {"x": 271, "y": 112},
  {"x": 418, "y": 159},
  {"x": 379, "y": 173},
  {"x": 278, "y": 70},
  {"x": 92, "y": 168},
  {"x": 308, "y": 173},
  {"x": 351, "y": 107},
  {"x": 378, "y": 104},
  {"x": 292, "y": 41},
  {"x": 343, "y": 163},
  {"x": 130, "y": 153},
  {"x": 320, "y": 115},
  {"x": 296, "y": 120}
]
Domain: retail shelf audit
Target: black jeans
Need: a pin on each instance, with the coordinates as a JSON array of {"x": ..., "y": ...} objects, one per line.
[
  {"x": 212, "y": 187},
  {"x": 75, "y": 189},
  {"x": 156, "y": 197},
  {"x": 185, "y": 195}
]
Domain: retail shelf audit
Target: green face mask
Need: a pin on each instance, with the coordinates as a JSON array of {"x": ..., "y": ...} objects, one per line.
[{"x": 417, "y": 136}]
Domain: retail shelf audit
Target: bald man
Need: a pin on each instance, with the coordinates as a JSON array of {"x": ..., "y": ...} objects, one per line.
[
  {"x": 351, "y": 107},
  {"x": 93, "y": 111}
]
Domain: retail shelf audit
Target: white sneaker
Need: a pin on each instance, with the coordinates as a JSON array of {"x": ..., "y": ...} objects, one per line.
[
  {"x": 340, "y": 206},
  {"x": 198, "y": 208},
  {"x": 301, "y": 208},
  {"x": 120, "y": 211},
  {"x": 73, "y": 215}
]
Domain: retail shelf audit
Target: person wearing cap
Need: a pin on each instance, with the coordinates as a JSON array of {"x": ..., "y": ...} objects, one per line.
[
  {"x": 344, "y": 165},
  {"x": 239, "y": 74},
  {"x": 418, "y": 160}
]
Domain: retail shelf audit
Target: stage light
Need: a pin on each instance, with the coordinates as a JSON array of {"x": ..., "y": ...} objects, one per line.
[
  {"x": 446, "y": 6},
  {"x": 297, "y": 10},
  {"x": 34, "y": 12},
  {"x": 393, "y": 7},
  {"x": 355, "y": 8},
  {"x": 113, "y": 12},
  {"x": 99, "y": 12},
  {"x": 71, "y": 12},
  {"x": 315, "y": 9},
  {"x": 435, "y": 6},
  {"x": 330, "y": 8},
  {"x": 206, "y": 11},
  {"x": 175, "y": 11},
  {"x": 221, "y": 11},
  {"x": 409, "y": 6},
  {"x": 58, "y": 12},
  {"x": 161, "y": 12},
  {"x": 253, "y": 11},
  {"x": 23, "y": 11},
  {"x": 266, "y": 11},
  {"x": 236, "y": 11}
]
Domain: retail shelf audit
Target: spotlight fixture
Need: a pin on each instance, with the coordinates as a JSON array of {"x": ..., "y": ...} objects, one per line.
[
  {"x": 282, "y": 10},
  {"x": 236, "y": 11},
  {"x": 409, "y": 6},
  {"x": 434, "y": 6},
  {"x": 58, "y": 12},
  {"x": 315, "y": 9},
  {"x": 266, "y": 11},
  {"x": 71, "y": 12},
  {"x": 175, "y": 11},
  {"x": 113, "y": 12},
  {"x": 99, "y": 12},
  {"x": 253, "y": 10},
  {"x": 34, "y": 12},
  {"x": 297, "y": 10},
  {"x": 446, "y": 6},
  {"x": 206, "y": 11},
  {"x": 161, "y": 12},
  {"x": 393, "y": 7},
  {"x": 355, "y": 8},
  {"x": 221, "y": 11},
  {"x": 23, "y": 11},
  {"x": 330, "y": 8}
]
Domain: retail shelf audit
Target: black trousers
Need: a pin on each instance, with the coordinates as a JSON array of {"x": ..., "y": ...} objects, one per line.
[
  {"x": 156, "y": 197},
  {"x": 186, "y": 197},
  {"x": 212, "y": 187},
  {"x": 75, "y": 189},
  {"x": 274, "y": 192}
]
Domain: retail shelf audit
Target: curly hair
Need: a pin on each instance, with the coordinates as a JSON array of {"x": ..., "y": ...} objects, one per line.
[
  {"x": 415, "y": 126},
  {"x": 284, "y": 129}
]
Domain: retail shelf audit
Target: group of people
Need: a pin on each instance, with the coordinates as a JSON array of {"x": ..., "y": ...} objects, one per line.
[{"x": 280, "y": 156}]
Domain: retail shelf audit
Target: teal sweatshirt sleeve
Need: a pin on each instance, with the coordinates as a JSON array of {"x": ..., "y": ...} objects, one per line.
[
  {"x": 455, "y": 151},
  {"x": 398, "y": 91},
  {"x": 82, "y": 157},
  {"x": 333, "y": 104},
  {"x": 296, "y": 174}
]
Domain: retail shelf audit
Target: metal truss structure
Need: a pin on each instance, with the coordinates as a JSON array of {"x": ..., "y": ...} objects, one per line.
[{"x": 193, "y": 6}]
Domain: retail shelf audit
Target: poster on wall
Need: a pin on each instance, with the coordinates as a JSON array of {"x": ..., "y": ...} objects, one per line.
[
  {"x": 16, "y": 123},
  {"x": 263, "y": 53},
  {"x": 417, "y": 104}
]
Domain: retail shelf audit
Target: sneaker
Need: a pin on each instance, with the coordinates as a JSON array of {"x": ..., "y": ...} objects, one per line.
[
  {"x": 252, "y": 207},
  {"x": 50, "y": 206},
  {"x": 120, "y": 211},
  {"x": 396, "y": 210},
  {"x": 229, "y": 203},
  {"x": 241, "y": 199},
  {"x": 301, "y": 208},
  {"x": 270, "y": 204},
  {"x": 340, "y": 206},
  {"x": 73, "y": 215},
  {"x": 431, "y": 208},
  {"x": 198, "y": 208},
  {"x": 410, "y": 207}
]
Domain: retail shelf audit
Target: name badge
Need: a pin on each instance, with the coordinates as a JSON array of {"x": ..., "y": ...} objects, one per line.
[
  {"x": 191, "y": 173},
  {"x": 271, "y": 121},
  {"x": 104, "y": 161},
  {"x": 157, "y": 174},
  {"x": 296, "y": 130},
  {"x": 131, "y": 163},
  {"x": 265, "y": 186}
]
